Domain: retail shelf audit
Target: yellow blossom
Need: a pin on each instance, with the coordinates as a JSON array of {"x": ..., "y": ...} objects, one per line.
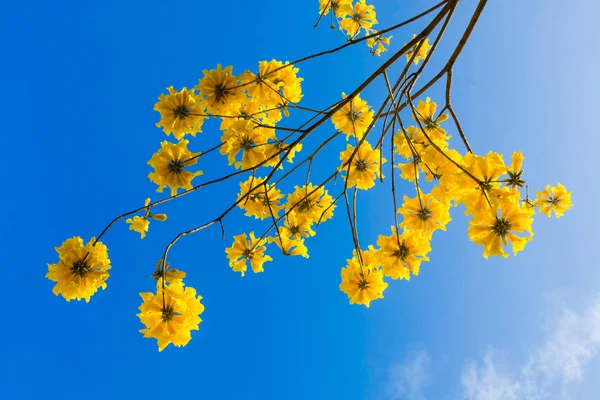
[
  {"x": 425, "y": 114},
  {"x": 363, "y": 283},
  {"x": 378, "y": 43},
  {"x": 353, "y": 118},
  {"x": 425, "y": 213},
  {"x": 290, "y": 246},
  {"x": 487, "y": 170},
  {"x": 244, "y": 249},
  {"x": 221, "y": 90},
  {"x": 180, "y": 112},
  {"x": 554, "y": 198},
  {"x": 515, "y": 172},
  {"x": 312, "y": 203},
  {"x": 262, "y": 202},
  {"x": 496, "y": 226},
  {"x": 340, "y": 8},
  {"x": 401, "y": 255},
  {"x": 263, "y": 86},
  {"x": 296, "y": 225},
  {"x": 362, "y": 16},
  {"x": 422, "y": 54},
  {"x": 169, "y": 163},
  {"x": 365, "y": 166},
  {"x": 173, "y": 320},
  {"x": 81, "y": 270},
  {"x": 139, "y": 224},
  {"x": 250, "y": 139}
]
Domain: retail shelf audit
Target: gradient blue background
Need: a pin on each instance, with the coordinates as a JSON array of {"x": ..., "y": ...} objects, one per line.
[{"x": 80, "y": 80}]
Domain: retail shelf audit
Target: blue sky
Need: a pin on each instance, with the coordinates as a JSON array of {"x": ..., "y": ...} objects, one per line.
[{"x": 80, "y": 82}]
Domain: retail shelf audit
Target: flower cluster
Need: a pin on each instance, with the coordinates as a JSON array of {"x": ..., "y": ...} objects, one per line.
[
  {"x": 489, "y": 190},
  {"x": 354, "y": 19},
  {"x": 171, "y": 313},
  {"x": 248, "y": 107}
]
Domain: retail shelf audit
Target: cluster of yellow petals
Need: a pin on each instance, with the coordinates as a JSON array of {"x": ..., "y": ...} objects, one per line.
[
  {"x": 485, "y": 185},
  {"x": 170, "y": 314},
  {"x": 401, "y": 254},
  {"x": 353, "y": 118},
  {"x": 378, "y": 43},
  {"x": 142, "y": 224},
  {"x": 340, "y": 8},
  {"x": 81, "y": 270},
  {"x": 425, "y": 213},
  {"x": 362, "y": 279},
  {"x": 364, "y": 167},
  {"x": 494, "y": 227},
  {"x": 362, "y": 16},
  {"x": 553, "y": 198},
  {"x": 262, "y": 202},
  {"x": 169, "y": 163},
  {"x": 421, "y": 54},
  {"x": 312, "y": 203},
  {"x": 352, "y": 19},
  {"x": 254, "y": 142},
  {"x": 243, "y": 250},
  {"x": 181, "y": 112}
]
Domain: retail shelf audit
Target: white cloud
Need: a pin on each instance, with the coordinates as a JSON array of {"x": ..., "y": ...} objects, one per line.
[
  {"x": 407, "y": 379},
  {"x": 551, "y": 368}
]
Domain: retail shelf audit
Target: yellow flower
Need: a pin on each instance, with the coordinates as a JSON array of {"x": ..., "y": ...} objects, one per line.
[
  {"x": 515, "y": 172},
  {"x": 139, "y": 224},
  {"x": 363, "y": 284},
  {"x": 289, "y": 82},
  {"x": 180, "y": 113},
  {"x": 221, "y": 90},
  {"x": 251, "y": 109},
  {"x": 314, "y": 207},
  {"x": 248, "y": 138},
  {"x": 362, "y": 16},
  {"x": 378, "y": 43},
  {"x": 171, "y": 274},
  {"x": 425, "y": 113},
  {"x": 495, "y": 227},
  {"x": 169, "y": 163},
  {"x": 353, "y": 118},
  {"x": 422, "y": 54},
  {"x": 173, "y": 320},
  {"x": 296, "y": 225},
  {"x": 418, "y": 142},
  {"x": 425, "y": 213},
  {"x": 554, "y": 198},
  {"x": 290, "y": 246},
  {"x": 261, "y": 202},
  {"x": 81, "y": 270},
  {"x": 401, "y": 255},
  {"x": 340, "y": 8},
  {"x": 264, "y": 85},
  {"x": 365, "y": 165},
  {"x": 487, "y": 170},
  {"x": 244, "y": 249}
]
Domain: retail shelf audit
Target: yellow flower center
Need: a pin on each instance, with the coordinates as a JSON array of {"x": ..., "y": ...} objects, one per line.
[
  {"x": 168, "y": 313},
  {"x": 181, "y": 112},
  {"x": 247, "y": 254},
  {"x": 363, "y": 284},
  {"x": 424, "y": 214},
  {"x": 306, "y": 205},
  {"x": 176, "y": 166},
  {"x": 501, "y": 227},
  {"x": 220, "y": 92},
  {"x": 360, "y": 165},
  {"x": 80, "y": 268},
  {"x": 402, "y": 252}
]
